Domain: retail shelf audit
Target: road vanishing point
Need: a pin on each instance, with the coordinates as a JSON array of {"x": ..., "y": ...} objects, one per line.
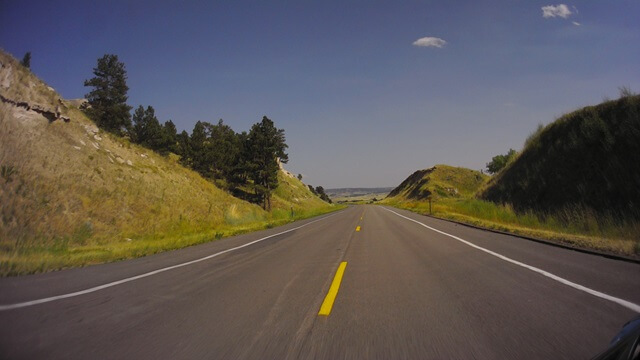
[{"x": 367, "y": 282}]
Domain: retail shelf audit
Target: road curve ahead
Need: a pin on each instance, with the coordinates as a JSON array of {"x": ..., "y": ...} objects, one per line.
[{"x": 391, "y": 285}]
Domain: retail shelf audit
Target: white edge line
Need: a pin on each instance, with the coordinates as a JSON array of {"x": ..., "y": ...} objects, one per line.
[
  {"x": 625, "y": 303},
  {"x": 154, "y": 272}
]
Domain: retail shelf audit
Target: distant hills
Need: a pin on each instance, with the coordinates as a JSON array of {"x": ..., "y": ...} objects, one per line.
[{"x": 357, "y": 194}]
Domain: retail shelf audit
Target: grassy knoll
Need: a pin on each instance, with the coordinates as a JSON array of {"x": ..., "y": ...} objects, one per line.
[{"x": 72, "y": 195}]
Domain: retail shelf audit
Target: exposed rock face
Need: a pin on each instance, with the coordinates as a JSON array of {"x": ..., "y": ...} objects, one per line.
[
  {"x": 47, "y": 113},
  {"x": 5, "y": 76},
  {"x": 283, "y": 170}
]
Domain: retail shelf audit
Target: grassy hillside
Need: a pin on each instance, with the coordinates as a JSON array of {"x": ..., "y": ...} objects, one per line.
[
  {"x": 588, "y": 159},
  {"x": 440, "y": 181},
  {"x": 73, "y": 195},
  {"x": 451, "y": 190},
  {"x": 576, "y": 182}
]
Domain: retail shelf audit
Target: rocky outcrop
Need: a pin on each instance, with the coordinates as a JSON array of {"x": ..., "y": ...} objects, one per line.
[
  {"x": 47, "y": 113},
  {"x": 283, "y": 170}
]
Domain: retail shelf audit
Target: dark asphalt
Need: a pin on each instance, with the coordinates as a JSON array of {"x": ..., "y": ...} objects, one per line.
[{"x": 407, "y": 293}]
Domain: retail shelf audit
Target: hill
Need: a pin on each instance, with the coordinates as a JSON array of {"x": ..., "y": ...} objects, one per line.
[
  {"x": 344, "y": 195},
  {"x": 576, "y": 182},
  {"x": 73, "y": 195},
  {"x": 588, "y": 159},
  {"x": 440, "y": 181}
]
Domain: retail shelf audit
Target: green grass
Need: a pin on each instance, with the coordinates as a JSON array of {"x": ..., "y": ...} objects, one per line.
[
  {"x": 46, "y": 254},
  {"x": 440, "y": 181},
  {"x": 575, "y": 227}
]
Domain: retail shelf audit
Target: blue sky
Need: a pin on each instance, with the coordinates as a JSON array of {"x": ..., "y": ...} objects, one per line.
[{"x": 361, "y": 104}]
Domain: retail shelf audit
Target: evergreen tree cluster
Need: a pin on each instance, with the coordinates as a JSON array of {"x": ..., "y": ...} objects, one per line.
[
  {"x": 148, "y": 132},
  {"x": 319, "y": 191},
  {"x": 238, "y": 161}
]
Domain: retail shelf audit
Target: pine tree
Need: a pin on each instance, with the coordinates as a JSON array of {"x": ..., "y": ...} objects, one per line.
[
  {"x": 26, "y": 60},
  {"x": 239, "y": 172},
  {"x": 170, "y": 137},
  {"x": 108, "y": 99},
  {"x": 199, "y": 143},
  {"x": 184, "y": 149},
  {"x": 266, "y": 145},
  {"x": 223, "y": 149},
  {"x": 147, "y": 130}
]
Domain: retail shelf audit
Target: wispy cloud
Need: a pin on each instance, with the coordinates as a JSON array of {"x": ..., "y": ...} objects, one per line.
[
  {"x": 430, "y": 42},
  {"x": 576, "y": 23},
  {"x": 560, "y": 10}
]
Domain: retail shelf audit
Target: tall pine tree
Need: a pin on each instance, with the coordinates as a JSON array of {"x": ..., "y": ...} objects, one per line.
[
  {"x": 108, "y": 99},
  {"x": 266, "y": 145}
]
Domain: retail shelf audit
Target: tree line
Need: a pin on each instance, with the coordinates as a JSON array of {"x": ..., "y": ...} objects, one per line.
[{"x": 237, "y": 161}]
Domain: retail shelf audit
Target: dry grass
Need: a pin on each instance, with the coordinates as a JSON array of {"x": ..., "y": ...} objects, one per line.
[{"x": 71, "y": 197}]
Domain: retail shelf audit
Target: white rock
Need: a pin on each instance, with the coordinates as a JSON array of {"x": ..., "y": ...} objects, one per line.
[
  {"x": 91, "y": 129},
  {"x": 129, "y": 163},
  {"x": 83, "y": 143},
  {"x": 95, "y": 145},
  {"x": 120, "y": 160},
  {"x": 97, "y": 137},
  {"x": 5, "y": 76},
  {"x": 77, "y": 147},
  {"x": 110, "y": 159}
]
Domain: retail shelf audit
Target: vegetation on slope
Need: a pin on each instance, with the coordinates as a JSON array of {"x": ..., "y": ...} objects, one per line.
[
  {"x": 440, "y": 181},
  {"x": 73, "y": 195},
  {"x": 575, "y": 182},
  {"x": 587, "y": 159}
]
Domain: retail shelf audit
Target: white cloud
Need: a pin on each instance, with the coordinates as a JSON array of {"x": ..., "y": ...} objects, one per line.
[
  {"x": 576, "y": 23},
  {"x": 560, "y": 10},
  {"x": 430, "y": 42}
]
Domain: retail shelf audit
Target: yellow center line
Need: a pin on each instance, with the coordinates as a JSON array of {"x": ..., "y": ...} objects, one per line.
[
  {"x": 327, "y": 304},
  {"x": 358, "y": 228}
]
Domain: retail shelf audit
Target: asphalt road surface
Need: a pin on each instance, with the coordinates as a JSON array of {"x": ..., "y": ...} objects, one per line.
[{"x": 410, "y": 290}]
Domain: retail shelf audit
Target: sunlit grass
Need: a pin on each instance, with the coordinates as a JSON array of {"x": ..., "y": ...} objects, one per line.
[{"x": 80, "y": 249}]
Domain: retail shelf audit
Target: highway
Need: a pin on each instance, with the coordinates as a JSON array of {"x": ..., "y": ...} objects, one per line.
[{"x": 411, "y": 287}]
